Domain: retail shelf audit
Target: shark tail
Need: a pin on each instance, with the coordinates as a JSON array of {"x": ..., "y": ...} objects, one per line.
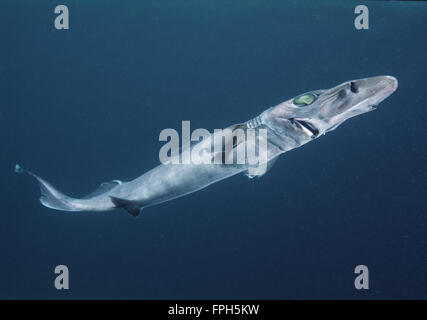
[
  {"x": 50, "y": 197},
  {"x": 54, "y": 199}
]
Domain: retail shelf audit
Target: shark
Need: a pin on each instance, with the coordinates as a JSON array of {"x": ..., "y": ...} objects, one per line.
[{"x": 288, "y": 125}]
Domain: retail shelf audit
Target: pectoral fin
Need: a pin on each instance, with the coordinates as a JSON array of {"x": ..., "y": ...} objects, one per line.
[{"x": 259, "y": 172}]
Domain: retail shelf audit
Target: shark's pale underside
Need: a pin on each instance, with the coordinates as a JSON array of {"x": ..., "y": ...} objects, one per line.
[{"x": 289, "y": 125}]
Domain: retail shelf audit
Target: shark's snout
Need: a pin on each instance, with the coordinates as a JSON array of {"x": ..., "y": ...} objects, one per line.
[
  {"x": 381, "y": 86},
  {"x": 388, "y": 83},
  {"x": 392, "y": 82}
]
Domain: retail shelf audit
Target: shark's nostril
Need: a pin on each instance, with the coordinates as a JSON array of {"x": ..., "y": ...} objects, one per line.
[{"x": 353, "y": 87}]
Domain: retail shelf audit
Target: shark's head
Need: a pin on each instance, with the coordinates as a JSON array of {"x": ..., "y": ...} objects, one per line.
[{"x": 314, "y": 113}]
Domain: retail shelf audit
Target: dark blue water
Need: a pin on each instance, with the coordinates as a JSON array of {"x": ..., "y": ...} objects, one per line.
[{"x": 86, "y": 105}]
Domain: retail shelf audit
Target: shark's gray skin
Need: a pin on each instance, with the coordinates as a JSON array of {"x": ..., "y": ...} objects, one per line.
[{"x": 289, "y": 125}]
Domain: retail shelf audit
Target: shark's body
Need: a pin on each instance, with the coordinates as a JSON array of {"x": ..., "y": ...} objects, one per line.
[{"x": 289, "y": 125}]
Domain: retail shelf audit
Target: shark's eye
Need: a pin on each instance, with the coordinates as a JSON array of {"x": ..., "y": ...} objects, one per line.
[{"x": 304, "y": 100}]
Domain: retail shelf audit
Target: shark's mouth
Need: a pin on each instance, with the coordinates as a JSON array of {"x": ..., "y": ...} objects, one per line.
[{"x": 307, "y": 127}]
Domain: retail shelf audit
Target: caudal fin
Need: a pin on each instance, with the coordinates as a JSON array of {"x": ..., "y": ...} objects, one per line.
[{"x": 50, "y": 197}]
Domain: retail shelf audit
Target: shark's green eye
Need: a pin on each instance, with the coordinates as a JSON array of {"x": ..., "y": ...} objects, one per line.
[{"x": 304, "y": 100}]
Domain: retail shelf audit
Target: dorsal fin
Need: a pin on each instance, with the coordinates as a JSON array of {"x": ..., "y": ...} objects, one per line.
[
  {"x": 103, "y": 187},
  {"x": 133, "y": 207},
  {"x": 229, "y": 134}
]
